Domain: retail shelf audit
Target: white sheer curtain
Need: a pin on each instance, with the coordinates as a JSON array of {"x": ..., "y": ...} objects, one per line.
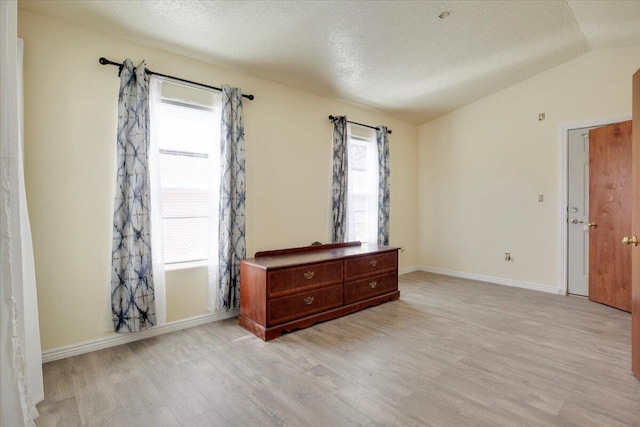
[
  {"x": 213, "y": 267},
  {"x": 362, "y": 188},
  {"x": 20, "y": 354},
  {"x": 202, "y": 114},
  {"x": 157, "y": 248}
]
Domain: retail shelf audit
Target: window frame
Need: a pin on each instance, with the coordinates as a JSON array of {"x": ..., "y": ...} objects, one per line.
[
  {"x": 371, "y": 225},
  {"x": 191, "y": 262}
]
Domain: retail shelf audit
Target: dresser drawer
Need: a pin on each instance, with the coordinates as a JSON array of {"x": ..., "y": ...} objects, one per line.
[
  {"x": 370, "y": 265},
  {"x": 292, "y": 280},
  {"x": 368, "y": 288},
  {"x": 303, "y": 304}
]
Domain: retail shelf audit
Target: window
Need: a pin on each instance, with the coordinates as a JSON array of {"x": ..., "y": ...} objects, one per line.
[
  {"x": 188, "y": 139},
  {"x": 362, "y": 204}
]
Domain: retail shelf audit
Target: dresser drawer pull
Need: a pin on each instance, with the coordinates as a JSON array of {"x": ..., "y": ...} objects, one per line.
[
  {"x": 373, "y": 284},
  {"x": 373, "y": 262},
  {"x": 309, "y": 275},
  {"x": 308, "y": 300}
]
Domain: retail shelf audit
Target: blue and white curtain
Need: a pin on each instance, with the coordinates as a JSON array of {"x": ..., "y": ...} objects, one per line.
[
  {"x": 339, "y": 183},
  {"x": 382, "y": 139},
  {"x": 132, "y": 287},
  {"x": 232, "y": 199}
]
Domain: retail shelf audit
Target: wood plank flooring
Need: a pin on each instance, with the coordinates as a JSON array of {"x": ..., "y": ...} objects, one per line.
[{"x": 450, "y": 352}]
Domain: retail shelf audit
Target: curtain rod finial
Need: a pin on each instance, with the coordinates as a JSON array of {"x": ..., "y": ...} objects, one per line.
[
  {"x": 103, "y": 60},
  {"x": 250, "y": 97}
]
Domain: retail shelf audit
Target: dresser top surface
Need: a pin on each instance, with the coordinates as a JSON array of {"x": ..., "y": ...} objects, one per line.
[{"x": 319, "y": 255}]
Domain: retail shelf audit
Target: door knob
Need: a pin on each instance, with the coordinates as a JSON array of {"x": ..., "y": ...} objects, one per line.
[
  {"x": 633, "y": 240},
  {"x": 576, "y": 221},
  {"x": 592, "y": 225}
]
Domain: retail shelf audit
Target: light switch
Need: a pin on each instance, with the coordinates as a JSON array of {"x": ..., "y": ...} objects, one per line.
[{"x": 541, "y": 197}]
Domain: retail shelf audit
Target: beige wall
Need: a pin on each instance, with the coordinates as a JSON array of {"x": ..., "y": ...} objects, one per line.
[
  {"x": 482, "y": 167},
  {"x": 70, "y": 125}
]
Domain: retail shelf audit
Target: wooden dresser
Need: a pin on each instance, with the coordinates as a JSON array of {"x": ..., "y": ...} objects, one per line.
[{"x": 289, "y": 289}]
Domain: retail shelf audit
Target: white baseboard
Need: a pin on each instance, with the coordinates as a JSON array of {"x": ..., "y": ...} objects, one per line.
[
  {"x": 494, "y": 280},
  {"x": 118, "y": 339},
  {"x": 408, "y": 270}
]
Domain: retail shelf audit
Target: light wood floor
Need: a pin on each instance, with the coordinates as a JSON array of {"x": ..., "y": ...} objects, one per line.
[{"x": 450, "y": 352}]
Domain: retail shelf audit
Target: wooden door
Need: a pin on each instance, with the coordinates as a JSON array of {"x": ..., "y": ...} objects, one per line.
[
  {"x": 635, "y": 231},
  {"x": 610, "y": 215}
]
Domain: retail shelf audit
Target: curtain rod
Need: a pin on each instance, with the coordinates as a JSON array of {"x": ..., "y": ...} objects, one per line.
[
  {"x": 105, "y": 61},
  {"x": 332, "y": 118}
]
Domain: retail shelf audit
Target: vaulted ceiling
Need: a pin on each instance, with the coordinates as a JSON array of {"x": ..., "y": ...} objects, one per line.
[{"x": 400, "y": 57}]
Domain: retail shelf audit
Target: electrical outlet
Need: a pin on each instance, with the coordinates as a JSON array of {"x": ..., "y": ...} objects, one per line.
[
  {"x": 541, "y": 117},
  {"x": 507, "y": 256},
  {"x": 541, "y": 197}
]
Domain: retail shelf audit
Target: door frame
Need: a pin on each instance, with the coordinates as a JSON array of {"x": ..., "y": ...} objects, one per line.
[{"x": 563, "y": 273}]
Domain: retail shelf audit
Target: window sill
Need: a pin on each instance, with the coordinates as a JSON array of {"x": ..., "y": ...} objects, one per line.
[{"x": 186, "y": 265}]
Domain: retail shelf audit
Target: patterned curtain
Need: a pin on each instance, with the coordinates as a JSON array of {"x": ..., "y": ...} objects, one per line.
[
  {"x": 339, "y": 186},
  {"x": 132, "y": 290},
  {"x": 383, "y": 185},
  {"x": 232, "y": 196}
]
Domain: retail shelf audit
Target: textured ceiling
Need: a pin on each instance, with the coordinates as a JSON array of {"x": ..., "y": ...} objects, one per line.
[{"x": 396, "y": 56}]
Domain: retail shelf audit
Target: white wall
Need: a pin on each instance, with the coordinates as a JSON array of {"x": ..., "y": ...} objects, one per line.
[
  {"x": 70, "y": 126},
  {"x": 482, "y": 167}
]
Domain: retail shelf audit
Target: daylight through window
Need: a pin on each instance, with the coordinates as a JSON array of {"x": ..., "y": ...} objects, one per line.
[
  {"x": 189, "y": 174},
  {"x": 362, "y": 204}
]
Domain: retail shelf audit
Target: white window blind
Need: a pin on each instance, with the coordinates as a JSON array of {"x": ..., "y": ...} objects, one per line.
[{"x": 189, "y": 174}]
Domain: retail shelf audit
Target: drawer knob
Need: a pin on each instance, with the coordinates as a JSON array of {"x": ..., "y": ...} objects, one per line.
[
  {"x": 373, "y": 262},
  {"x": 308, "y": 300},
  {"x": 309, "y": 275},
  {"x": 373, "y": 284}
]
